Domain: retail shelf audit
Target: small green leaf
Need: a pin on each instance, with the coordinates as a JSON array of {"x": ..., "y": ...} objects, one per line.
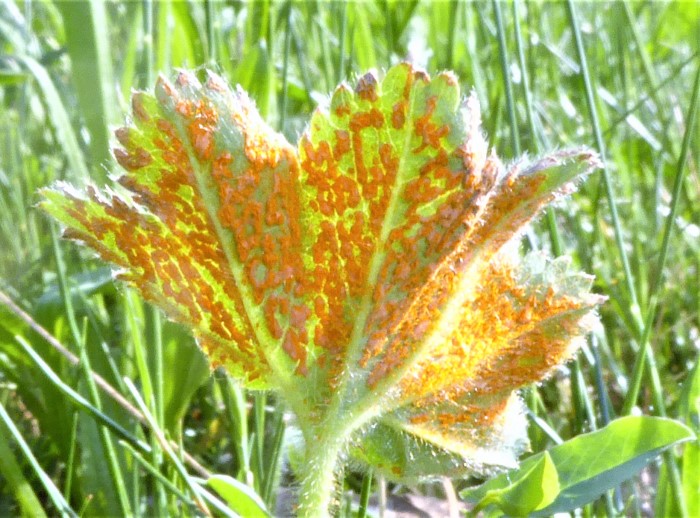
[
  {"x": 82, "y": 285},
  {"x": 590, "y": 464},
  {"x": 239, "y": 497},
  {"x": 533, "y": 489},
  {"x": 187, "y": 370},
  {"x": 690, "y": 409}
]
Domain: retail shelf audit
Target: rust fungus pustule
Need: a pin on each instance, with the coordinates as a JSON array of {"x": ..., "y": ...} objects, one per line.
[{"x": 367, "y": 87}]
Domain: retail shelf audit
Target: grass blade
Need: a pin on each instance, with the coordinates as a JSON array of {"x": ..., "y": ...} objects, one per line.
[
  {"x": 87, "y": 33},
  {"x": 62, "y": 507},
  {"x": 600, "y": 146},
  {"x": 165, "y": 445},
  {"x": 507, "y": 81},
  {"x": 16, "y": 481},
  {"x": 65, "y": 135},
  {"x": 364, "y": 494},
  {"x": 78, "y": 400}
]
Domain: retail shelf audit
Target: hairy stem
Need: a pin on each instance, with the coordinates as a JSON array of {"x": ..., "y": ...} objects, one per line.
[{"x": 318, "y": 474}]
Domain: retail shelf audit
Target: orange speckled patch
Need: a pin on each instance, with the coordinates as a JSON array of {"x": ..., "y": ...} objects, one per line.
[
  {"x": 385, "y": 189},
  {"x": 360, "y": 258},
  {"x": 501, "y": 321},
  {"x": 194, "y": 190}
]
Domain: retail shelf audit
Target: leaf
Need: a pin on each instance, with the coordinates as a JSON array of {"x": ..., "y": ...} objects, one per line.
[
  {"x": 533, "y": 489},
  {"x": 409, "y": 454},
  {"x": 83, "y": 285},
  {"x": 239, "y": 497},
  {"x": 187, "y": 370},
  {"x": 592, "y": 463},
  {"x": 186, "y": 251},
  {"x": 408, "y": 208},
  {"x": 690, "y": 410},
  {"x": 364, "y": 274},
  {"x": 459, "y": 399}
]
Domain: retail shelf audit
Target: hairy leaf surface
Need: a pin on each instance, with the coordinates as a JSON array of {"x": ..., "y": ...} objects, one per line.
[{"x": 364, "y": 273}]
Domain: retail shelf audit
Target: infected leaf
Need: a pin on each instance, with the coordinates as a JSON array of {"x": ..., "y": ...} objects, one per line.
[{"x": 364, "y": 273}]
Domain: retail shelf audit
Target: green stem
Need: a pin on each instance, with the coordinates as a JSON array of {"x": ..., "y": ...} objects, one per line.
[
  {"x": 364, "y": 495},
  {"x": 272, "y": 470},
  {"x": 319, "y": 477}
]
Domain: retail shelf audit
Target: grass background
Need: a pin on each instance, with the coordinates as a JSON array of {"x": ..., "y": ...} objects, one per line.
[{"x": 616, "y": 76}]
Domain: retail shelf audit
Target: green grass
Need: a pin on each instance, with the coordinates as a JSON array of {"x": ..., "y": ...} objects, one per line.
[{"x": 620, "y": 77}]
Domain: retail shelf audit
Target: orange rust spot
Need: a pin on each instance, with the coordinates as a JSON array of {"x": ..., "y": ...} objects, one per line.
[
  {"x": 359, "y": 121},
  {"x": 221, "y": 169},
  {"x": 167, "y": 87},
  {"x": 410, "y": 78},
  {"x": 273, "y": 324},
  {"x": 427, "y": 129},
  {"x": 134, "y": 160},
  {"x": 421, "y": 75},
  {"x": 318, "y": 155},
  {"x": 376, "y": 118},
  {"x": 138, "y": 108},
  {"x": 215, "y": 84},
  {"x": 398, "y": 114},
  {"x": 184, "y": 108},
  {"x": 449, "y": 78},
  {"x": 342, "y": 110},
  {"x": 167, "y": 128},
  {"x": 185, "y": 78},
  {"x": 419, "y": 419},
  {"x": 296, "y": 351},
  {"x": 387, "y": 157},
  {"x": 319, "y": 306},
  {"x": 202, "y": 139},
  {"x": 298, "y": 316},
  {"x": 122, "y": 135},
  {"x": 342, "y": 144},
  {"x": 367, "y": 87},
  {"x": 201, "y": 129}
]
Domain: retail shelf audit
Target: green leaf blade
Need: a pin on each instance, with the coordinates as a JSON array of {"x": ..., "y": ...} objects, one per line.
[
  {"x": 590, "y": 464},
  {"x": 87, "y": 33},
  {"x": 240, "y": 498},
  {"x": 535, "y": 489}
]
